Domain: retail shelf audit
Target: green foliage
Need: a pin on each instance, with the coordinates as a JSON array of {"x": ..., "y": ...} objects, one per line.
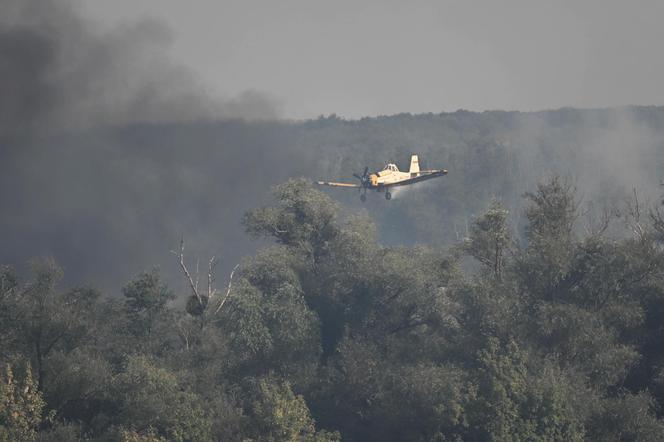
[
  {"x": 515, "y": 402},
  {"x": 39, "y": 320},
  {"x": 383, "y": 398},
  {"x": 132, "y": 436},
  {"x": 21, "y": 404},
  {"x": 61, "y": 432},
  {"x": 272, "y": 328},
  {"x": 552, "y": 211},
  {"x": 551, "y": 215},
  {"x": 145, "y": 300},
  {"x": 578, "y": 337},
  {"x": 78, "y": 386},
  {"x": 628, "y": 417},
  {"x": 279, "y": 415},
  {"x": 556, "y": 339},
  {"x": 304, "y": 219},
  {"x": 489, "y": 239},
  {"x": 150, "y": 400},
  {"x": 8, "y": 288}
]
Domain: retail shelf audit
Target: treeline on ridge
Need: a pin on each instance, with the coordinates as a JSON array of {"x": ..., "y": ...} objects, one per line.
[{"x": 140, "y": 187}]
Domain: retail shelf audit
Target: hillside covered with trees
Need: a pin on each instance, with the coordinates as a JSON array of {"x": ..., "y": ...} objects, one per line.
[
  {"x": 110, "y": 201},
  {"x": 327, "y": 334},
  {"x": 168, "y": 271}
]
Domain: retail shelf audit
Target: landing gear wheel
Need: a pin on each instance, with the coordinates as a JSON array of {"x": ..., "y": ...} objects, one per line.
[
  {"x": 363, "y": 197},
  {"x": 388, "y": 196}
]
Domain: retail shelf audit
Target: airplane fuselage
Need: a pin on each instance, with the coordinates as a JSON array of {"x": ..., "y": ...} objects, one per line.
[{"x": 391, "y": 176}]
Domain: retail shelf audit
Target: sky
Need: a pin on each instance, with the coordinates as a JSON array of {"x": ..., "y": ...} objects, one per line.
[{"x": 367, "y": 58}]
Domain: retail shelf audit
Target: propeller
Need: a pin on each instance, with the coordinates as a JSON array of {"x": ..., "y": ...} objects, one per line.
[
  {"x": 364, "y": 182},
  {"x": 364, "y": 178}
]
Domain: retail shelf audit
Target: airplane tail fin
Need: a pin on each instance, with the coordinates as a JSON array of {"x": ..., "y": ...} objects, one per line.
[{"x": 414, "y": 165}]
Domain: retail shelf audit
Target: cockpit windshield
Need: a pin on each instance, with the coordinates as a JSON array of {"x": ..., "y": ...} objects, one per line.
[{"x": 391, "y": 167}]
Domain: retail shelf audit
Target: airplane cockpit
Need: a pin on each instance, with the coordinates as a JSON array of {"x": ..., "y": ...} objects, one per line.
[{"x": 391, "y": 167}]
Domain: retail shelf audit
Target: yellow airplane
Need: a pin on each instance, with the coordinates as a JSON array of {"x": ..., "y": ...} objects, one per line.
[{"x": 389, "y": 177}]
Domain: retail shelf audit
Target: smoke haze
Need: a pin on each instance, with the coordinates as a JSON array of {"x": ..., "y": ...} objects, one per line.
[
  {"x": 110, "y": 152},
  {"x": 71, "y": 182}
]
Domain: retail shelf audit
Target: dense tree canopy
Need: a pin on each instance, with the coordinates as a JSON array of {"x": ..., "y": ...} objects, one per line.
[{"x": 328, "y": 335}]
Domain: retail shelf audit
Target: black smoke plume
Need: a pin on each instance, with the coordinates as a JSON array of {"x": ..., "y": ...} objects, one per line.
[{"x": 110, "y": 152}]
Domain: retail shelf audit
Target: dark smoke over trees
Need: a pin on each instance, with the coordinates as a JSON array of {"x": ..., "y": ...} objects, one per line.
[
  {"x": 519, "y": 297},
  {"x": 108, "y": 201},
  {"x": 110, "y": 152}
]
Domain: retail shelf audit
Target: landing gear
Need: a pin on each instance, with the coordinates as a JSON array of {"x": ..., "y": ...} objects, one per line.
[
  {"x": 388, "y": 195},
  {"x": 363, "y": 197}
]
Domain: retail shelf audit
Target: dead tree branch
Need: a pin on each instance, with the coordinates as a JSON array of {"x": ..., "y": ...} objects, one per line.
[
  {"x": 193, "y": 285},
  {"x": 228, "y": 290},
  {"x": 211, "y": 265},
  {"x": 211, "y": 290},
  {"x": 634, "y": 211}
]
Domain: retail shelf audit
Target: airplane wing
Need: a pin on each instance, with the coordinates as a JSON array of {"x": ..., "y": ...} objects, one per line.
[
  {"x": 328, "y": 183},
  {"x": 424, "y": 175}
]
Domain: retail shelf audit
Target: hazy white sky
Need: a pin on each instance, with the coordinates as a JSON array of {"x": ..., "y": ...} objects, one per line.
[{"x": 365, "y": 58}]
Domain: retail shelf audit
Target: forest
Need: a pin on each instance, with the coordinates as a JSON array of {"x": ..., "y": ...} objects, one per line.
[
  {"x": 169, "y": 273},
  {"x": 326, "y": 334},
  {"x": 110, "y": 201}
]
